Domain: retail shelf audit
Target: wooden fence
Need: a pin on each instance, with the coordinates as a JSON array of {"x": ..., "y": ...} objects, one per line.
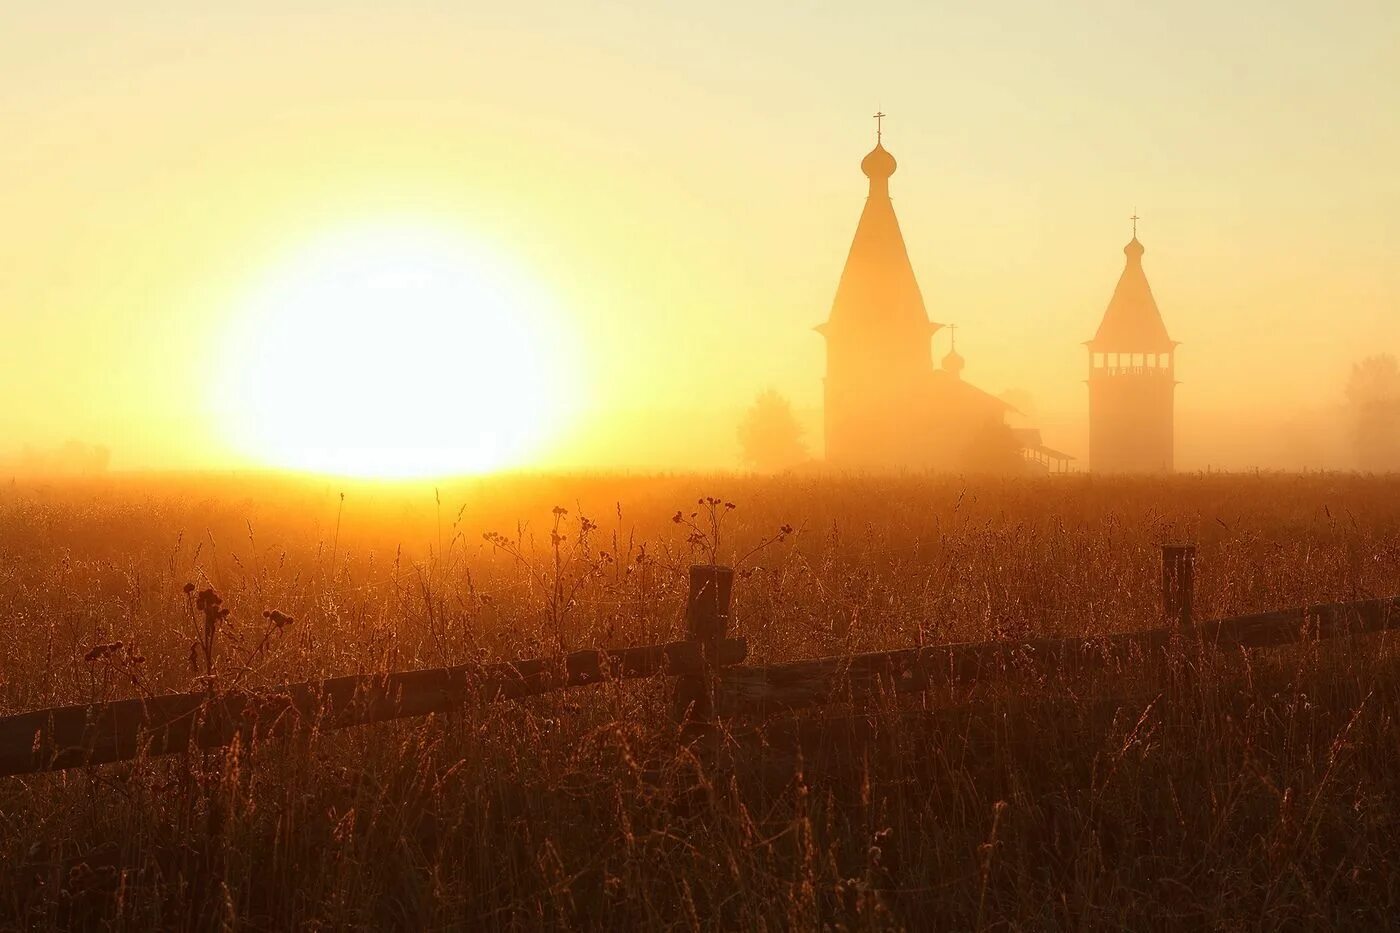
[{"x": 711, "y": 680}]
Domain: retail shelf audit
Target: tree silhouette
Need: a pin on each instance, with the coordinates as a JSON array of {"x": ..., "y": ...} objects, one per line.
[
  {"x": 1373, "y": 394},
  {"x": 769, "y": 435}
]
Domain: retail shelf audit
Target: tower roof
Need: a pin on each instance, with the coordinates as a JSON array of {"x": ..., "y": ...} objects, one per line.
[
  {"x": 1132, "y": 322},
  {"x": 877, "y": 288}
]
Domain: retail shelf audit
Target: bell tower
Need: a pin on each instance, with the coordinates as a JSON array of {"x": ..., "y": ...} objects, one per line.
[
  {"x": 879, "y": 358},
  {"x": 1132, "y": 378}
]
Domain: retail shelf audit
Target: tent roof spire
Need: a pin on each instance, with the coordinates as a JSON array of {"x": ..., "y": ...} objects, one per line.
[
  {"x": 1132, "y": 322},
  {"x": 878, "y": 289}
]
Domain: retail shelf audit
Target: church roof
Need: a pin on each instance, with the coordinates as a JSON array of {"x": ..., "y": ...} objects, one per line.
[
  {"x": 1132, "y": 322},
  {"x": 948, "y": 382},
  {"x": 877, "y": 288}
]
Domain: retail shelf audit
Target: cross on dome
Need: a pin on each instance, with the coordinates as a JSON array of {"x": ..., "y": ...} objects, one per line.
[
  {"x": 954, "y": 363},
  {"x": 878, "y": 165}
]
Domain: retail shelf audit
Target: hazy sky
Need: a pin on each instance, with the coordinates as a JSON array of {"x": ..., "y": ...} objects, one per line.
[{"x": 684, "y": 179}]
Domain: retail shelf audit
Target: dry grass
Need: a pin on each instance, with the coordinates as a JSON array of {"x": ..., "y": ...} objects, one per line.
[{"x": 1220, "y": 792}]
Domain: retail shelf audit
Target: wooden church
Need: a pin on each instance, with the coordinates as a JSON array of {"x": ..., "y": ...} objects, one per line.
[
  {"x": 887, "y": 407},
  {"x": 1132, "y": 378}
]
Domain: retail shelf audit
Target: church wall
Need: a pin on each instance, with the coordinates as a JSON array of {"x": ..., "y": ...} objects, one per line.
[
  {"x": 928, "y": 423},
  {"x": 878, "y": 425},
  {"x": 877, "y": 398},
  {"x": 1131, "y": 422}
]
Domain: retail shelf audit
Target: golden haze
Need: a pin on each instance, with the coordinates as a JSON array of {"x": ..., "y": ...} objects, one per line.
[{"x": 684, "y": 183}]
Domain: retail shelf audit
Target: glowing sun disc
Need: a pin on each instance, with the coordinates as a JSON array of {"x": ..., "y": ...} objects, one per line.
[{"x": 395, "y": 352}]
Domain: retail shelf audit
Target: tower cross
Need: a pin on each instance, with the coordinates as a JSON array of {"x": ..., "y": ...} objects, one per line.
[
  {"x": 953, "y": 333},
  {"x": 879, "y": 125},
  {"x": 1135, "y": 218}
]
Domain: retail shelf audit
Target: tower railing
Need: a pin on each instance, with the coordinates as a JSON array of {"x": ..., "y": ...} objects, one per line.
[{"x": 1121, "y": 370}]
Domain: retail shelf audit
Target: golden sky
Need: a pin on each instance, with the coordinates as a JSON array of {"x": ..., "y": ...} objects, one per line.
[{"x": 682, "y": 180}]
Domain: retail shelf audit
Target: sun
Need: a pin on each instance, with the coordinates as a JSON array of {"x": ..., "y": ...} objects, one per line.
[{"x": 395, "y": 351}]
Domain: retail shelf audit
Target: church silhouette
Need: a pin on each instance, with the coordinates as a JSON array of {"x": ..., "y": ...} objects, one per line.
[
  {"x": 1132, "y": 378},
  {"x": 888, "y": 407}
]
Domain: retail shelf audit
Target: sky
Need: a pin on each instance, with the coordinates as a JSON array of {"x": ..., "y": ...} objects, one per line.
[{"x": 681, "y": 181}]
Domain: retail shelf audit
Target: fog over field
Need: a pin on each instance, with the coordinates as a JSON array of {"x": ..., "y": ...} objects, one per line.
[{"x": 208, "y": 213}]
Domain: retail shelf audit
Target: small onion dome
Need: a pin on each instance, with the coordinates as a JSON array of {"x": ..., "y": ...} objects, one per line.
[
  {"x": 878, "y": 163},
  {"x": 953, "y": 363},
  {"x": 1134, "y": 249}
]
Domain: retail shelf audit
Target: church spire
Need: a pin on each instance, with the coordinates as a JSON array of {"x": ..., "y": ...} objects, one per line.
[
  {"x": 1132, "y": 323},
  {"x": 878, "y": 290}
]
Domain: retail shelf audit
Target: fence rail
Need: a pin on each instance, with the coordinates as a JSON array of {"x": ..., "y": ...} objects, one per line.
[
  {"x": 711, "y": 681},
  {"x": 798, "y": 684},
  {"x": 70, "y": 736}
]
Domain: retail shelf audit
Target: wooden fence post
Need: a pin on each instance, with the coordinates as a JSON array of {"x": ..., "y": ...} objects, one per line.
[
  {"x": 1178, "y": 582},
  {"x": 707, "y": 622}
]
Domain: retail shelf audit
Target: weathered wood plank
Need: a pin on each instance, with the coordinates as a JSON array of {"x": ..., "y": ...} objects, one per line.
[
  {"x": 94, "y": 734},
  {"x": 800, "y": 684},
  {"x": 706, "y": 623},
  {"x": 70, "y": 736}
]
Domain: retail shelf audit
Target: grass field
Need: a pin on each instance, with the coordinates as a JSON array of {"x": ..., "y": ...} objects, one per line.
[{"x": 1224, "y": 792}]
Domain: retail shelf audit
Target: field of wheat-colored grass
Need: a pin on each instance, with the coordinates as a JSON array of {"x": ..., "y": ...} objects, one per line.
[{"x": 1214, "y": 790}]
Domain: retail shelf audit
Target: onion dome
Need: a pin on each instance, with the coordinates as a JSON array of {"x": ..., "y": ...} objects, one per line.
[
  {"x": 953, "y": 363},
  {"x": 878, "y": 164},
  {"x": 1134, "y": 249}
]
